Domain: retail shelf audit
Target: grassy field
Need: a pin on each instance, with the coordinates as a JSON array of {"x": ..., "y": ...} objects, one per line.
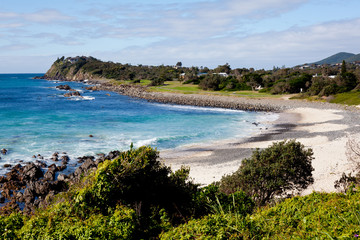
[
  {"x": 348, "y": 98},
  {"x": 178, "y": 87}
]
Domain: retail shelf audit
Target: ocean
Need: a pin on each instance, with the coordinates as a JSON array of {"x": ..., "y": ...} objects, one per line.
[{"x": 35, "y": 118}]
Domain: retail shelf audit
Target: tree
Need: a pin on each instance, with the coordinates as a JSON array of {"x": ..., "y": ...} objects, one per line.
[
  {"x": 179, "y": 64},
  {"x": 278, "y": 170},
  {"x": 343, "y": 68}
]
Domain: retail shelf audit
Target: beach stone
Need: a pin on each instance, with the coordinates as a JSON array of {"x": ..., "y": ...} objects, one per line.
[{"x": 7, "y": 165}]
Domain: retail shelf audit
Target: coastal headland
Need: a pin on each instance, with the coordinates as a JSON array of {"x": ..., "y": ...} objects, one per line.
[{"x": 321, "y": 126}]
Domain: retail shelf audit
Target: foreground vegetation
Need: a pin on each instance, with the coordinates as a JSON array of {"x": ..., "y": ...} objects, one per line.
[{"x": 136, "y": 197}]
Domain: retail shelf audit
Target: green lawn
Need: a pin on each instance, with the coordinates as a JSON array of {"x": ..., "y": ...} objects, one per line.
[
  {"x": 178, "y": 87},
  {"x": 348, "y": 98}
]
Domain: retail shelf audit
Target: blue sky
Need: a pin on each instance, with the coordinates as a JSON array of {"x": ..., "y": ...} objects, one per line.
[{"x": 257, "y": 33}]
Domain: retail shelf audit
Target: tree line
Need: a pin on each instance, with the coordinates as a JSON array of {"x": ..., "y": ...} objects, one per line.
[{"x": 322, "y": 80}]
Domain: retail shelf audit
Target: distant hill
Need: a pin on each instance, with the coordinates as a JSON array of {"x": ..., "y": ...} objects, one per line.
[
  {"x": 339, "y": 57},
  {"x": 353, "y": 58}
]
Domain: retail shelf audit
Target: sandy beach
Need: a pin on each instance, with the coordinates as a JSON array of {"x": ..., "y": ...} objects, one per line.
[{"x": 324, "y": 128}]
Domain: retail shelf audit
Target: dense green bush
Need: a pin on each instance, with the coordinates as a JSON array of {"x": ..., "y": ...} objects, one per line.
[
  {"x": 214, "y": 201},
  {"x": 315, "y": 216},
  {"x": 277, "y": 170},
  {"x": 131, "y": 197}
]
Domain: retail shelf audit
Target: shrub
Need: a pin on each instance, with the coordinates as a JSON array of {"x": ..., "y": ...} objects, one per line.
[
  {"x": 277, "y": 170},
  {"x": 138, "y": 180},
  {"x": 214, "y": 201}
]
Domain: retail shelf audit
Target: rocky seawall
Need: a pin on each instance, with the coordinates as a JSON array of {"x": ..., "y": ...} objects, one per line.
[{"x": 212, "y": 100}]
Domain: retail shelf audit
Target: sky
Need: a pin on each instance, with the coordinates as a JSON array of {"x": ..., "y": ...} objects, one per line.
[{"x": 259, "y": 33}]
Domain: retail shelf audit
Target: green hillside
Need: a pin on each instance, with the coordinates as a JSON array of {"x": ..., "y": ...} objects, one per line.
[{"x": 337, "y": 58}]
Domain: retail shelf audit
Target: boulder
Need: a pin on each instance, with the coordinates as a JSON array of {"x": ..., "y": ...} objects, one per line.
[
  {"x": 65, "y": 87},
  {"x": 32, "y": 172},
  {"x": 72, "y": 94}
]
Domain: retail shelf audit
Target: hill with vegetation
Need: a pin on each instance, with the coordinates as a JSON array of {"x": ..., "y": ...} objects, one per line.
[
  {"x": 339, "y": 57},
  {"x": 336, "y": 58},
  {"x": 323, "y": 82}
]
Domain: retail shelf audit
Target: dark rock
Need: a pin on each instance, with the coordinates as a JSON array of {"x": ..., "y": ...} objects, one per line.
[
  {"x": 92, "y": 88},
  {"x": 41, "y": 163},
  {"x": 91, "y": 135},
  {"x": 84, "y": 158},
  {"x": 61, "y": 168},
  {"x": 65, "y": 159},
  {"x": 18, "y": 167},
  {"x": 6, "y": 193},
  {"x": 42, "y": 188},
  {"x": 13, "y": 175},
  {"x": 7, "y": 165},
  {"x": 50, "y": 175},
  {"x": 88, "y": 165},
  {"x": 59, "y": 186},
  {"x": 112, "y": 155},
  {"x": 3, "y": 179},
  {"x": 32, "y": 172},
  {"x": 4, "y": 151},
  {"x": 2, "y": 199},
  {"x": 13, "y": 185},
  {"x": 19, "y": 197},
  {"x": 99, "y": 160},
  {"x": 62, "y": 177},
  {"x": 72, "y": 94},
  {"x": 65, "y": 87}
]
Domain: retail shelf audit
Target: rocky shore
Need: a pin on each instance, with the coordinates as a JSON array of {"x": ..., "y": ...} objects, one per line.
[{"x": 33, "y": 184}]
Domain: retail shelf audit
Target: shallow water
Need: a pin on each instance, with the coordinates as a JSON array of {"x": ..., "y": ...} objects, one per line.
[{"x": 35, "y": 118}]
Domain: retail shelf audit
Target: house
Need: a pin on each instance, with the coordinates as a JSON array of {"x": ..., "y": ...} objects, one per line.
[
  {"x": 223, "y": 74},
  {"x": 182, "y": 75}
]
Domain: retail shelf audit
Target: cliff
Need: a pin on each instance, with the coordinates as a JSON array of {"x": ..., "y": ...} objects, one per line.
[{"x": 71, "y": 69}]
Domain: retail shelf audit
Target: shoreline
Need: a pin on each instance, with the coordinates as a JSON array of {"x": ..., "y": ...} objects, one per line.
[{"x": 324, "y": 127}]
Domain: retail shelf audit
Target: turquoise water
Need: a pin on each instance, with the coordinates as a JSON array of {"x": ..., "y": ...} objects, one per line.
[{"x": 35, "y": 118}]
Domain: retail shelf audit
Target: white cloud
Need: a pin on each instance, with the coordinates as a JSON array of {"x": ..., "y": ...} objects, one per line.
[
  {"x": 46, "y": 16},
  {"x": 291, "y": 47}
]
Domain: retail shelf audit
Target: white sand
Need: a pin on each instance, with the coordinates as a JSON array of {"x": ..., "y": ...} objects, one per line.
[{"x": 329, "y": 162}]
